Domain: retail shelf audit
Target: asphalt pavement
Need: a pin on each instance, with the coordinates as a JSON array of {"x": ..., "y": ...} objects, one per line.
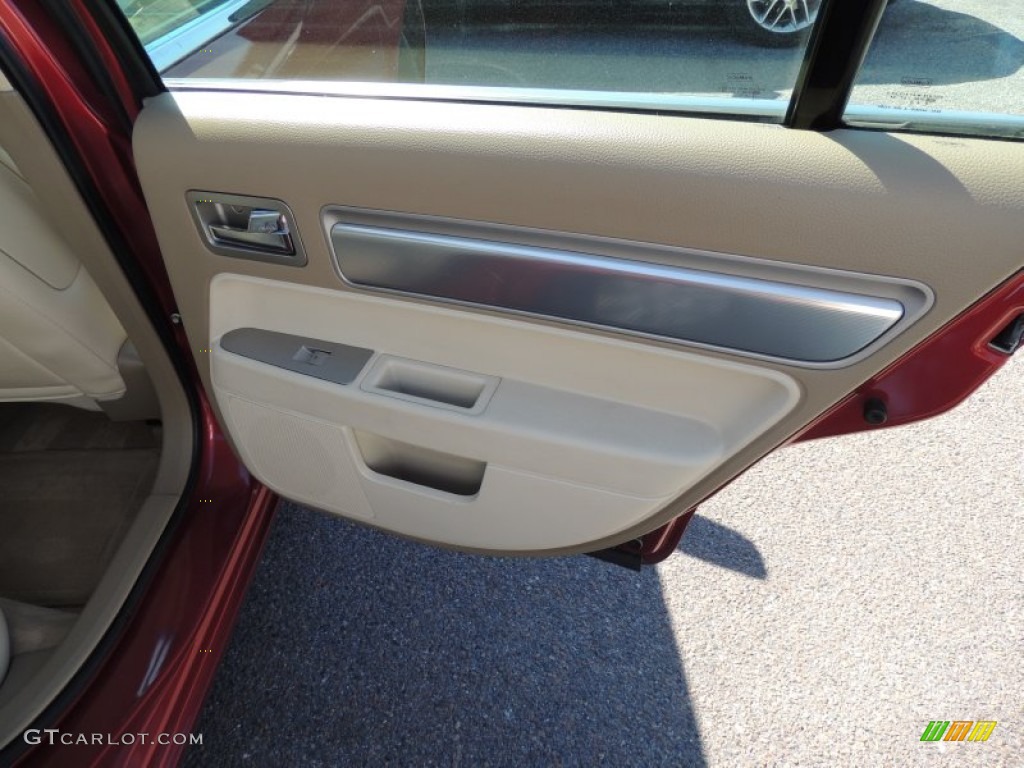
[{"x": 820, "y": 611}]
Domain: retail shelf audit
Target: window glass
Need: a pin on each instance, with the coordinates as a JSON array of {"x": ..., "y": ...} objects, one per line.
[
  {"x": 945, "y": 65},
  {"x": 152, "y": 19},
  {"x": 737, "y": 56}
]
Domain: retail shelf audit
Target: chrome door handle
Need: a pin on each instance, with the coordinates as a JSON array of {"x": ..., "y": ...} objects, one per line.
[
  {"x": 266, "y": 230},
  {"x": 246, "y": 227},
  {"x": 276, "y": 242}
]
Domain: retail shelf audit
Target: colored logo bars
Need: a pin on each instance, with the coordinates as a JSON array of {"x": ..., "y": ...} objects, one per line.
[{"x": 958, "y": 730}]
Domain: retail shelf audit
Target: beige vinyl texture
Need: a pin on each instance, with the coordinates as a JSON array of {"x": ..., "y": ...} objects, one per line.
[
  {"x": 571, "y": 450},
  {"x": 947, "y": 212}
]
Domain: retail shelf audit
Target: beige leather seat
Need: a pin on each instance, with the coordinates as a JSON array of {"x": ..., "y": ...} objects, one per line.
[
  {"x": 27, "y": 634},
  {"x": 59, "y": 339}
]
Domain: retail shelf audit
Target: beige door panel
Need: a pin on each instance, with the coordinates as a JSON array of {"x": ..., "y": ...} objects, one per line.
[
  {"x": 581, "y": 438},
  {"x": 486, "y": 429}
]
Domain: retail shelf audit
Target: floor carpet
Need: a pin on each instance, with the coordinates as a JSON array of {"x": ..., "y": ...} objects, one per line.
[{"x": 71, "y": 482}]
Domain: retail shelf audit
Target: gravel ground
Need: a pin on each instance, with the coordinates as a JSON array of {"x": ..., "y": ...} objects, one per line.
[{"x": 820, "y": 611}]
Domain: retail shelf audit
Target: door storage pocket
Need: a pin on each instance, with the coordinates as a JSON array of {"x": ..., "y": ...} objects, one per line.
[
  {"x": 428, "y": 384},
  {"x": 421, "y": 466}
]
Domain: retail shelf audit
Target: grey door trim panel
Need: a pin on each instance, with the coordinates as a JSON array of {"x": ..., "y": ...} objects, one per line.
[
  {"x": 325, "y": 360},
  {"x": 799, "y": 315}
]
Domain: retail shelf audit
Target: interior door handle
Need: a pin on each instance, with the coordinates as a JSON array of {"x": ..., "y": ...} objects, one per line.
[
  {"x": 266, "y": 231},
  {"x": 256, "y": 228}
]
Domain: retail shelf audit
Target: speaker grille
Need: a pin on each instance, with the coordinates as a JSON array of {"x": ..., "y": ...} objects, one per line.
[{"x": 302, "y": 459}]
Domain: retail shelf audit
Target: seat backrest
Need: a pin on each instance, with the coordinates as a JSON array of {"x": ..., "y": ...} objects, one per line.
[{"x": 59, "y": 339}]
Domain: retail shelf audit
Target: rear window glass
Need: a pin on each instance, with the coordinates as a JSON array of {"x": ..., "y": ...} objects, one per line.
[
  {"x": 945, "y": 65},
  {"x": 735, "y": 56}
]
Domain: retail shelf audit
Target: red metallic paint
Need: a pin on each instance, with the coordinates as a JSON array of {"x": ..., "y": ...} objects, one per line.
[
  {"x": 657, "y": 545},
  {"x": 935, "y": 376},
  {"x": 194, "y": 594},
  {"x": 190, "y": 606},
  {"x": 197, "y": 587},
  {"x": 110, "y": 61}
]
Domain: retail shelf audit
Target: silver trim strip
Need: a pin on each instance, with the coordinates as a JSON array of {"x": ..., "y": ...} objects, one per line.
[
  {"x": 686, "y": 103},
  {"x": 793, "y": 322},
  {"x": 986, "y": 124}
]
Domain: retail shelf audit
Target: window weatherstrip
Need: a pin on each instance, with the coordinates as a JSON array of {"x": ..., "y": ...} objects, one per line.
[
  {"x": 988, "y": 125},
  {"x": 772, "y": 110}
]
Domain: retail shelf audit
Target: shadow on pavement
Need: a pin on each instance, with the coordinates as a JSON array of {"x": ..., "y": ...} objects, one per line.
[
  {"x": 670, "y": 48},
  {"x": 716, "y": 544},
  {"x": 924, "y": 43},
  {"x": 357, "y": 648}
]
